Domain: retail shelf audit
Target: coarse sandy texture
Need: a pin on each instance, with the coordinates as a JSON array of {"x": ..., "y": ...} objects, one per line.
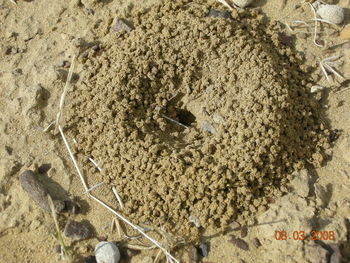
[
  {"x": 250, "y": 117},
  {"x": 37, "y": 41}
]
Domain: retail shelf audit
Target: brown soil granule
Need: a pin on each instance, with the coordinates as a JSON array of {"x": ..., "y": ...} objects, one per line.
[{"x": 243, "y": 96}]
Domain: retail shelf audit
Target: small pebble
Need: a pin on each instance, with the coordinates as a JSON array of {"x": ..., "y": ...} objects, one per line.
[
  {"x": 90, "y": 259},
  {"x": 244, "y": 232},
  {"x": 235, "y": 225},
  {"x": 36, "y": 190},
  {"x": 256, "y": 242},
  {"x": 242, "y": 3},
  {"x": 206, "y": 126},
  {"x": 219, "y": 14},
  {"x": 107, "y": 252},
  {"x": 120, "y": 25},
  {"x": 76, "y": 230},
  {"x": 331, "y": 13},
  {"x": 9, "y": 150},
  {"x": 316, "y": 88},
  {"x": 193, "y": 254},
  {"x": 240, "y": 243},
  {"x": 203, "y": 249}
]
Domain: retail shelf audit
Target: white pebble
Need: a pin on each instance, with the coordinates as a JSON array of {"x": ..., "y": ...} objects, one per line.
[
  {"x": 206, "y": 126},
  {"x": 315, "y": 89},
  {"x": 331, "y": 13},
  {"x": 242, "y": 3},
  {"x": 107, "y": 252}
]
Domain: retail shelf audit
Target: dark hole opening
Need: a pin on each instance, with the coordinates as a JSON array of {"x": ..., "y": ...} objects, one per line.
[{"x": 185, "y": 117}]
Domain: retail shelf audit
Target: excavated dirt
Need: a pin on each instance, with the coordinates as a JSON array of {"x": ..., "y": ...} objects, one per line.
[{"x": 247, "y": 118}]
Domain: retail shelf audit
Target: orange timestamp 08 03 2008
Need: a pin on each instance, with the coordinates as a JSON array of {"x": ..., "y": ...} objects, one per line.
[{"x": 301, "y": 235}]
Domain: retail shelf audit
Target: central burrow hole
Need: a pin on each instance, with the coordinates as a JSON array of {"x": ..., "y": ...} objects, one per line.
[{"x": 185, "y": 117}]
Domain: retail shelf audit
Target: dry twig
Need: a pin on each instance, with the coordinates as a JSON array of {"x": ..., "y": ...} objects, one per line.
[{"x": 63, "y": 95}]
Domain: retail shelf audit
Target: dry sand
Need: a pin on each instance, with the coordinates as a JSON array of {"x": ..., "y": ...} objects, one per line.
[{"x": 124, "y": 85}]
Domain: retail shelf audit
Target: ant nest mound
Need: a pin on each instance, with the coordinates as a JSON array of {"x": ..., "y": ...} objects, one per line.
[{"x": 196, "y": 120}]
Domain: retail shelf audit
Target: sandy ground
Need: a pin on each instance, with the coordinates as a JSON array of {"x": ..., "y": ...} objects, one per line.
[{"x": 37, "y": 37}]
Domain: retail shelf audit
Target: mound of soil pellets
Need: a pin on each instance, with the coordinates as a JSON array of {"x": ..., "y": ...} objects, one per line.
[{"x": 197, "y": 117}]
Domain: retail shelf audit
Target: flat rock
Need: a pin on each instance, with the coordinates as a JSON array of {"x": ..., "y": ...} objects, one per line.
[
  {"x": 203, "y": 249},
  {"x": 219, "y": 14},
  {"x": 37, "y": 192},
  {"x": 120, "y": 25},
  {"x": 76, "y": 230}
]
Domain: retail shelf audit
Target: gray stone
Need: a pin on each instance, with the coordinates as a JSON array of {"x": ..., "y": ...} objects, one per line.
[
  {"x": 219, "y": 14},
  {"x": 120, "y": 25},
  {"x": 203, "y": 249},
  {"x": 206, "y": 126},
  {"x": 37, "y": 192},
  {"x": 107, "y": 252},
  {"x": 76, "y": 230}
]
